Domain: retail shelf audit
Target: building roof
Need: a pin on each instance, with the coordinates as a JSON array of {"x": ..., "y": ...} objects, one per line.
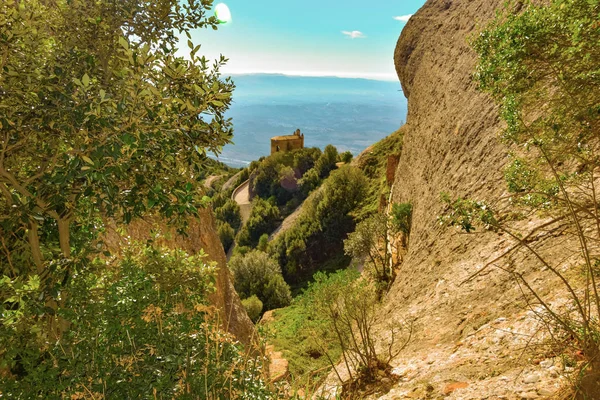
[{"x": 286, "y": 137}]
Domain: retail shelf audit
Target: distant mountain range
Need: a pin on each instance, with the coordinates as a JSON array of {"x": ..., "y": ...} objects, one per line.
[{"x": 348, "y": 113}]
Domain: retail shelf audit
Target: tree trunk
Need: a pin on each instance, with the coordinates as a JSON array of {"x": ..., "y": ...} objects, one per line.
[
  {"x": 64, "y": 236},
  {"x": 34, "y": 243}
]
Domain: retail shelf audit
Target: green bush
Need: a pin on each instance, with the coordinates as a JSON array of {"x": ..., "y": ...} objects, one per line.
[
  {"x": 327, "y": 161},
  {"x": 373, "y": 241},
  {"x": 347, "y": 306},
  {"x": 402, "y": 220},
  {"x": 309, "y": 182},
  {"x": 345, "y": 157},
  {"x": 253, "y": 307},
  {"x": 306, "y": 158},
  {"x": 265, "y": 179},
  {"x": 226, "y": 234},
  {"x": 257, "y": 274},
  {"x": 263, "y": 219},
  {"x": 230, "y": 213},
  {"x": 137, "y": 328},
  {"x": 263, "y": 243}
]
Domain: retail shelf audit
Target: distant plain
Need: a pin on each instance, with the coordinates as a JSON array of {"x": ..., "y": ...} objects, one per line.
[{"x": 349, "y": 113}]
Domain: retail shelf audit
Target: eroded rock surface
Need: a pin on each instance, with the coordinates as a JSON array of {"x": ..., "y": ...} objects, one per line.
[{"x": 472, "y": 340}]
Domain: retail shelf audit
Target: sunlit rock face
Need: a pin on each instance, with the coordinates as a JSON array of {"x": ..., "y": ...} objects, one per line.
[{"x": 468, "y": 336}]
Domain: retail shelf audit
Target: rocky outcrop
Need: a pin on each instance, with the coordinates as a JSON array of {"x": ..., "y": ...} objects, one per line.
[{"x": 469, "y": 337}]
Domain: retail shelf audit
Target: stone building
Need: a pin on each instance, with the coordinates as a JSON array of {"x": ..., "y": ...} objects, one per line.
[{"x": 287, "y": 142}]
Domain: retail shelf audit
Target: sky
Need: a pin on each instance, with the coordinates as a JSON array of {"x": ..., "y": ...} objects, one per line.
[{"x": 345, "y": 38}]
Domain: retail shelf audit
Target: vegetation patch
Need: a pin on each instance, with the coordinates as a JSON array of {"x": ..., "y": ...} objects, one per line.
[{"x": 373, "y": 162}]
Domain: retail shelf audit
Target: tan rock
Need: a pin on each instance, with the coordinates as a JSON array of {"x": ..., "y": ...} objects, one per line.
[{"x": 451, "y": 387}]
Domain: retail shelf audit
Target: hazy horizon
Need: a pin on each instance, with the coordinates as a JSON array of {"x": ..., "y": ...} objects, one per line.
[
  {"x": 350, "y": 113},
  {"x": 309, "y": 38}
]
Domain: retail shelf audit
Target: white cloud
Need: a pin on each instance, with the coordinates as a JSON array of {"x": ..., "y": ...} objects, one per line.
[
  {"x": 403, "y": 18},
  {"x": 354, "y": 34}
]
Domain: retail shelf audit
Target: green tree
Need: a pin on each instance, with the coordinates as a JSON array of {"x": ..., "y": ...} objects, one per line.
[
  {"x": 327, "y": 161},
  {"x": 226, "y": 234},
  {"x": 255, "y": 273},
  {"x": 263, "y": 219},
  {"x": 253, "y": 307},
  {"x": 230, "y": 213},
  {"x": 375, "y": 240},
  {"x": 309, "y": 181},
  {"x": 263, "y": 242},
  {"x": 346, "y": 157},
  {"x": 100, "y": 117},
  {"x": 305, "y": 159}
]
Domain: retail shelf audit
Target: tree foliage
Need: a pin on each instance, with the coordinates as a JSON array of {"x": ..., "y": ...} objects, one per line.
[
  {"x": 253, "y": 307},
  {"x": 100, "y": 117},
  {"x": 327, "y": 161},
  {"x": 374, "y": 240},
  {"x": 263, "y": 219},
  {"x": 226, "y": 234},
  {"x": 256, "y": 274},
  {"x": 230, "y": 213},
  {"x": 139, "y": 329},
  {"x": 317, "y": 235}
]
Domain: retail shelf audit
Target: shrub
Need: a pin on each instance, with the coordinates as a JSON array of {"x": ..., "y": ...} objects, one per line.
[
  {"x": 226, "y": 234},
  {"x": 218, "y": 200},
  {"x": 306, "y": 158},
  {"x": 309, "y": 182},
  {"x": 230, "y": 213},
  {"x": 402, "y": 220},
  {"x": 346, "y": 157},
  {"x": 263, "y": 243},
  {"x": 257, "y": 274},
  {"x": 347, "y": 305},
  {"x": 327, "y": 161},
  {"x": 137, "y": 328},
  {"x": 253, "y": 307},
  {"x": 374, "y": 239},
  {"x": 263, "y": 219},
  {"x": 264, "y": 181}
]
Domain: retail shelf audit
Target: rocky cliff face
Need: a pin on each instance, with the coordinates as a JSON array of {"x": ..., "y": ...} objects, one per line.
[
  {"x": 469, "y": 337},
  {"x": 201, "y": 235}
]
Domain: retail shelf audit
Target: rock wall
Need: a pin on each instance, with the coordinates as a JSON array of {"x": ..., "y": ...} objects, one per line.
[
  {"x": 470, "y": 339},
  {"x": 201, "y": 235}
]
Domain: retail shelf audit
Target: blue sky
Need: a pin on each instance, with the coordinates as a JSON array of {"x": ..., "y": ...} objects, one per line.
[{"x": 347, "y": 38}]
